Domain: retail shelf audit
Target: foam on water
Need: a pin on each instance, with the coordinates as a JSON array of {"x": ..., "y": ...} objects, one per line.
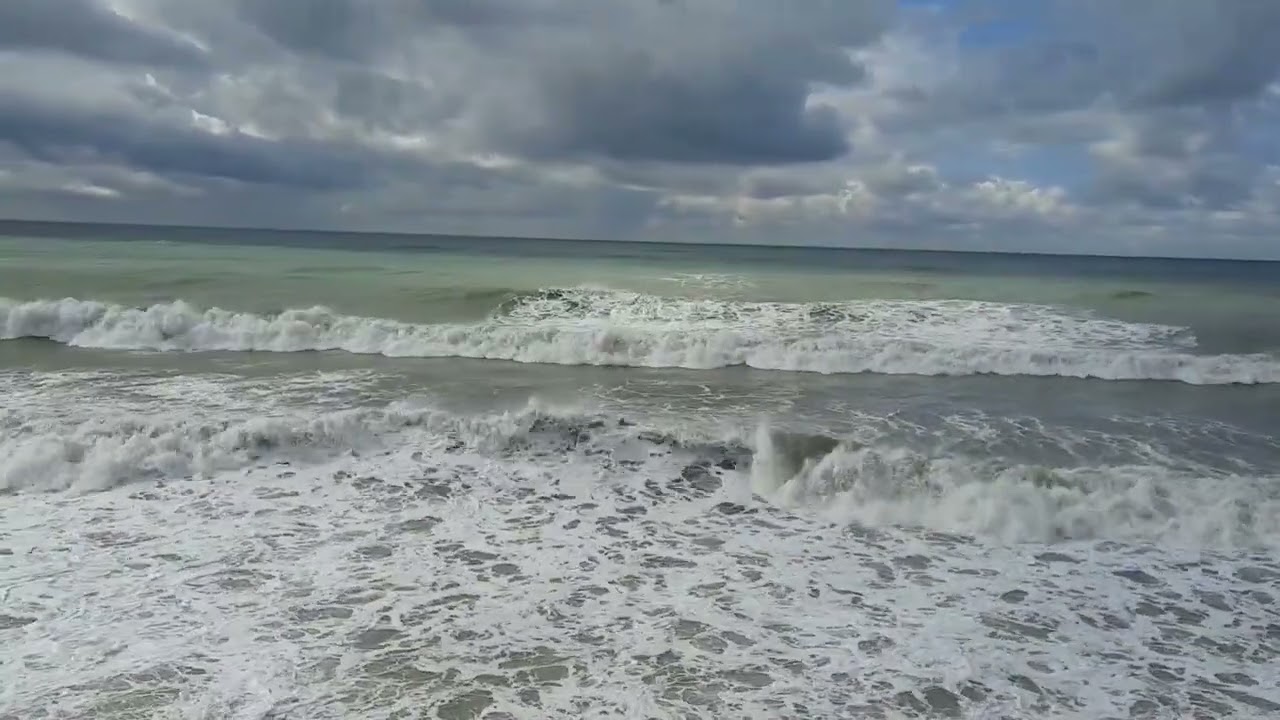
[
  {"x": 100, "y": 454},
  {"x": 566, "y": 564},
  {"x": 989, "y": 497},
  {"x": 602, "y": 327},
  {"x": 128, "y": 394},
  {"x": 230, "y": 536},
  {"x": 873, "y": 484}
]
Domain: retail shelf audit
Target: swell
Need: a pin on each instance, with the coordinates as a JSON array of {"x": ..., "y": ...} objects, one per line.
[
  {"x": 582, "y": 327},
  {"x": 100, "y": 454},
  {"x": 877, "y": 484},
  {"x": 888, "y": 485}
]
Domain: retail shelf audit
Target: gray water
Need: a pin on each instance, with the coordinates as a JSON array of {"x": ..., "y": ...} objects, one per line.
[{"x": 254, "y": 473}]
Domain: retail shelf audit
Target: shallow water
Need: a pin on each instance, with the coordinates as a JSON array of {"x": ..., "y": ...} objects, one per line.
[{"x": 456, "y": 479}]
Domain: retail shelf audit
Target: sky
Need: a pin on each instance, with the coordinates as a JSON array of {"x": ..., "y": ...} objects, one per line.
[{"x": 1147, "y": 127}]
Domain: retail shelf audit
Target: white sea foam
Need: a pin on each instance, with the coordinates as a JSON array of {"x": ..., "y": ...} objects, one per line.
[
  {"x": 111, "y": 450},
  {"x": 96, "y": 455},
  {"x": 881, "y": 485},
  {"x": 563, "y": 565},
  {"x": 893, "y": 486},
  {"x": 223, "y": 554},
  {"x": 592, "y": 327}
]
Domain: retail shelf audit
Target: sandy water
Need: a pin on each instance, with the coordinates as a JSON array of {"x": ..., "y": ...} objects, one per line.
[{"x": 265, "y": 476}]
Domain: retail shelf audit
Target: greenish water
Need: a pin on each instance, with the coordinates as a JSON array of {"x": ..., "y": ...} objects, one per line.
[
  {"x": 370, "y": 476},
  {"x": 463, "y": 279}
]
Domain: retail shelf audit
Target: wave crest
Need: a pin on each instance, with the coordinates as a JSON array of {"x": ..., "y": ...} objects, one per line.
[
  {"x": 97, "y": 455},
  {"x": 892, "y": 486},
  {"x": 875, "y": 485},
  {"x": 595, "y": 327}
]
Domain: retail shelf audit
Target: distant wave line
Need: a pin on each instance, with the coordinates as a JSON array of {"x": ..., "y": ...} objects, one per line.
[{"x": 596, "y": 327}]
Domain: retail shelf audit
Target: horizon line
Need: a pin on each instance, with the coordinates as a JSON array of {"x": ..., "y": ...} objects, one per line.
[{"x": 616, "y": 241}]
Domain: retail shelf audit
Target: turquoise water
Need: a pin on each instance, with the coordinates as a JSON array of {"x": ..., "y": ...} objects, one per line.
[{"x": 355, "y": 476}]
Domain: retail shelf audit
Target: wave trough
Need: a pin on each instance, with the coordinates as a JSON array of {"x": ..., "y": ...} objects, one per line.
[{"x": 603, "y": 327}]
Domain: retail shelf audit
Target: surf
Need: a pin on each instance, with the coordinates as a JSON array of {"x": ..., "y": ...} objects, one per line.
[
  {"x": 870, "y": 484},
  {"x": 615, "y": 328}
]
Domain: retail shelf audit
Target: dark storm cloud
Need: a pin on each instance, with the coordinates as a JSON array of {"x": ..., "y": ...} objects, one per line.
[
  {"x": 337, "y": 28},
  {"x": 699, "y": 83},
  {"x": 378, "y": 101},
  {"x": 63, "y": 135},
  {"x": 633, "y": 109},
  {"x": 360, "y": 29},
  {"x": 676, "y": 82},
  {"x": 86, "y": 29}
]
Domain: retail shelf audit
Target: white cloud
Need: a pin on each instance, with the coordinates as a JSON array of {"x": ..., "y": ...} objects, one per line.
[
  {"x": 90, "y": 190},
  {"x": 717, "y": 120},
  {"x": 1018, "y": 199}
]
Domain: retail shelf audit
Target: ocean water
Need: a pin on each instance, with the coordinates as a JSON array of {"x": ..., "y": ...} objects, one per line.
[{"x": 252, "y": 474}]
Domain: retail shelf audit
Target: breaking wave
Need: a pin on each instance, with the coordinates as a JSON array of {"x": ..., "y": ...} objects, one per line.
[
  {"x": 604, "y": 327},
  {"x": 100, "y": 454},
  {"x": 864, "y": 485},
  {"x": 878, "y": 485}
]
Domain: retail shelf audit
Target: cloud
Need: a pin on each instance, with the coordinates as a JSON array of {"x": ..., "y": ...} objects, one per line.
[
  {"x": 1166, "y": 162},
  {"x": 1072, "y": 54},
  {"x": 636, "y": 109},
  {"x": 89, "y": 29},
  {"x": 899, "y": 178},
  {"x": 340, "y": 29},
  {"x": 696, "y": 83},
  {"x": 888, "y": 199},
  {"x": 1066, "y": 124},
  {"x": 1180, "y": 52},
  {"x": 677, "y": 82},
  {"x": 55, "y": 134}
]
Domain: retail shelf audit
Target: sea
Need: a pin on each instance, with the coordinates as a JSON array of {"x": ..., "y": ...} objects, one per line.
[{"x": 261, "y": 474}]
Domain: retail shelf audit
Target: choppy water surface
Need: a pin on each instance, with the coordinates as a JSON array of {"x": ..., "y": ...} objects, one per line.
[{"x": 456, "y": 479}]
